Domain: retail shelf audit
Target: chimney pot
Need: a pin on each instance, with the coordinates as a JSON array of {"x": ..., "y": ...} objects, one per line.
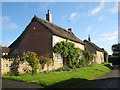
[
  {"x": 89, "y": 39},
  {"x": 49, "y": 16},
  {"x": 70, "y": 29}
]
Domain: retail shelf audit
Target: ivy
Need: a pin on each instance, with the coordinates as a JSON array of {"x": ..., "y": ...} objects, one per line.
[
  {"x": 87, "y": 57},
  {"x": 68, "y": 50}
]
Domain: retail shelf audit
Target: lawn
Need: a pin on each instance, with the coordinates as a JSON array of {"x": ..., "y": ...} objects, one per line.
[{"x": 63, "y": 78}]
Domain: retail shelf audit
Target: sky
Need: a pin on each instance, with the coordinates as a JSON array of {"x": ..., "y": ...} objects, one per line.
[{"x": 97, "y": 19}]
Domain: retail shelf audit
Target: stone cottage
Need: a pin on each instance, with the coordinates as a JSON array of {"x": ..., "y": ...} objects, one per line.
[
  {"x": 98, "y": 53},
  {"x": 40, "y": 36}
]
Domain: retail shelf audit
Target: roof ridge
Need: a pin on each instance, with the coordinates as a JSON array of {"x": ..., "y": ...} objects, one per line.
[
  {"x": 50, "y": 22},
  {"x": 94, "y": 45},
  {"x": 53, "y": 26}
]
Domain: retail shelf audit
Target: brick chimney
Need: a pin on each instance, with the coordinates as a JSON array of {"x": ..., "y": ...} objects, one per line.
[
  {"x": 49, "y": 16},
  {"x": 70, "y": 29},
  {"x": 89, "y": 38}
]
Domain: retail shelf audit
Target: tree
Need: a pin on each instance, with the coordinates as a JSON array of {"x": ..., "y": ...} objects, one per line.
[
  {"x": 116, "y": 49},
  {"x": 115, "y": 57},
  {"x": 69, "y": 51},
  {"x": 32, "y": 59}
]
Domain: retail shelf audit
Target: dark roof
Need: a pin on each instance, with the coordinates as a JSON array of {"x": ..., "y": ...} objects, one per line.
[
  {"x": 57, "y": 30},
  {"x": 5, "y": 50},
  {"x": 94, "y": 46},
  {"x": 54, "y": 29}
]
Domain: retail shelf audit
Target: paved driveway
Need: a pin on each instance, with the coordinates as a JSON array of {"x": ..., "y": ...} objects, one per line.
[{"x": 109, "y": 80}]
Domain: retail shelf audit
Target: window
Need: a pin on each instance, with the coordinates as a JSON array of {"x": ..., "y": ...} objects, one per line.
[
  {"x": 56, "y": 39},
  {"x": 59, "y": 58}
]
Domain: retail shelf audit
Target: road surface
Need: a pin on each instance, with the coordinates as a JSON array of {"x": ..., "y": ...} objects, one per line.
[
  {"x": 109, "y": 80},
  {"x": 16, "y": 84}
]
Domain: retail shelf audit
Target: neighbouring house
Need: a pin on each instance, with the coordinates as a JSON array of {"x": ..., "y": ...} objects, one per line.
[
  {"x": 4, "y": 51},
  {"x": 40, "y": 36},
  {"x": 3, "y": 64},
  {"x": 98, "y": 53}
]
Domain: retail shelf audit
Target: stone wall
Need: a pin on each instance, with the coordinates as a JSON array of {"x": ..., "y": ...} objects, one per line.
[
  {"x": 11, "y": 65},
  {"x": 98, "y": 57},
  {"x": 5, "y": 65}
]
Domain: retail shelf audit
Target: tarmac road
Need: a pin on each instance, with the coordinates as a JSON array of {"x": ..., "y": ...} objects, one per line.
[
  {"x": 109, "y": 80},
  {"x": 16, "y": 84}
]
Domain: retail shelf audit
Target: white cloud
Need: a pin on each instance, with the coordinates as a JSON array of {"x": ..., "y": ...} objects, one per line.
[
  {"x": 46, "y": 6},
  {"x": 7, "y": 24},
  {"x": 115, "y": 8},
  {"x": 100, "y": 19},
  {"x": 108, "y": 36},
  {"x": 73, "y": 15},
  {"x": 88, "y": 29},
  {"x": 116, "y": 32},
  {"x": 97, "y": 9}
]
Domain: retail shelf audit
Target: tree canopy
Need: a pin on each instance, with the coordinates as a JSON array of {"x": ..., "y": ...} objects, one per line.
[
  {"x": 116, "y": 49},
  {"x": 68, "y": 50},
  {"x": 115, "y": 57}
]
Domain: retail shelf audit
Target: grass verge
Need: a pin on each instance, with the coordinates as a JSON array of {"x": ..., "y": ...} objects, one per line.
[{"x": 64, "y": 78}]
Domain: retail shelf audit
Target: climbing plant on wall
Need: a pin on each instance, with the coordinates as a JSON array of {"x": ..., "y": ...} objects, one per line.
[
  {"x": 69, "y": 51},
  {"x": 87, "y": 57}
]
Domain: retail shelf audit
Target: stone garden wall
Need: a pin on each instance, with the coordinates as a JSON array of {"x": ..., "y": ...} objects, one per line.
[{"x": 13, "y": 65}]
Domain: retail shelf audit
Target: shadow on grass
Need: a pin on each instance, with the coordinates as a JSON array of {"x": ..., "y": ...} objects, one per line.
[
  {"x": 114, "y": 67},
  {"x": 109, "y": 66},
  {"x": 112, "y": 82},
  {"x": 106, "y": 82},
  {"x": 67, "y": 83}
]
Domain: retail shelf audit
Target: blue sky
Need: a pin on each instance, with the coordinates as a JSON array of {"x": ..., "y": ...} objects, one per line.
[{"x": 97, "y": 19}]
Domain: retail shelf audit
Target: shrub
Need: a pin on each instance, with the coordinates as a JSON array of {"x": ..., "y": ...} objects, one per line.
[
  {"x": 32, "y": 59},
  {"x": 10, "y": 74},
  {"x": 45, "y": 60},
  {"x": 64, "y": 68},
  {"x": 87, "y": 57}
]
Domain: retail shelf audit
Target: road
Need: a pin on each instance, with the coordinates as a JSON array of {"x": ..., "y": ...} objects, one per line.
[
  {"x": 109, "y": 80},
  {"x": 16, "y": 84}
]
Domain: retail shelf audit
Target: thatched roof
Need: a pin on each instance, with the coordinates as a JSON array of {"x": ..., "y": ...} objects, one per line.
[
  {"x": 54, "y": 29},
  {"x": 93, "y": 45},
  {"x": 57, "y": 30}
]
